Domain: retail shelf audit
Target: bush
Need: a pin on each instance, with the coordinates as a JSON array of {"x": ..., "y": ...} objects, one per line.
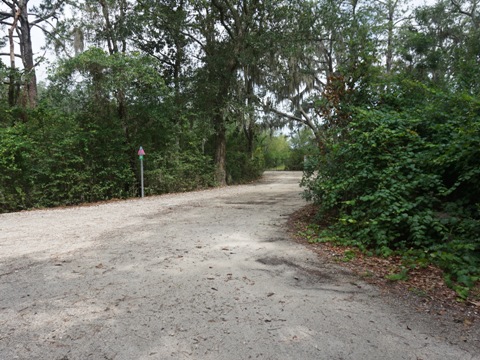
[
  {"x": 242, "y": 165},
  {"x": 177, "y": 172},
  {"x": 406, "y": 181}
]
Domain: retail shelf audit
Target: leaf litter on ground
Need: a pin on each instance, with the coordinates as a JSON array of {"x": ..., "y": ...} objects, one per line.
[{"x": 424, "y": 287}]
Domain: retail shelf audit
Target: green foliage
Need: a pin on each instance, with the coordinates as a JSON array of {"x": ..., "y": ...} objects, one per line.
[
  {"x": 15, "y": 150},
  {"x": 407, "y": 181},
  {"x": 277, "y": 151},
  {"x": 242, "y": 165},
  {"x": 302, "y": 146},
  {"x": 80, "y": 144},
  {"x": 177, "y": 172},
  {"x": 311, "y": 233},
  {"x": 52, "y": 161},
  {"x": 348, "y": 255},
  {"x": 440, "y": 46},
  {"x": 399, "y": 276}
]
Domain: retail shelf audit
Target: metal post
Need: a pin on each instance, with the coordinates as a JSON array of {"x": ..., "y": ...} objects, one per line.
[
  {"x": 141, "y": 177},
  {"x": 141, "y": 154}
]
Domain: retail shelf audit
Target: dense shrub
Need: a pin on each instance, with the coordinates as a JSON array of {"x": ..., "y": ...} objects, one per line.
[
  {"x": 177, "y": 172},
  {"x": 52, "y": 160},
  {"x": 406, "y": 182},
  {"x": 243, "y": 165}
]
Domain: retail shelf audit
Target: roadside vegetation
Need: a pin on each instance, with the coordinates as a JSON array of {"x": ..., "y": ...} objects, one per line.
[{"x": 403, "y": 181}]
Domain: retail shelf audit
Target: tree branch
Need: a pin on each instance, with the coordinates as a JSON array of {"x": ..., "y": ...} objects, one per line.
[
  {"x": 52, "y": 35},
  {"x": 221, "y": 9},
  {"x": 48, "y": 15},
  {"x": 473, "y": 15},
  {"x": 9, "y": 4},
  {"x": 43, "y": 29},
  {"x": 39, "y": 61},
  {"x": 269, "y": 108},
  {"x": 193, "y": 38},
  {"x": 460, "y": 10},
  {"x": 8, "y": 54},
  {"x": 308, "y": 121},
  {"x": 161, "y": 59}
]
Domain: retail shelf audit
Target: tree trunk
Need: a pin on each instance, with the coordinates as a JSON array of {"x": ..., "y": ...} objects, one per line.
[
  {"x": 220, "y": 151},
  {"x": 12, "y": 97},
  {"x": 26, "y": 51},
  {"x": 249, "y": 124},
  {"x": 31, "y": 76},
  {"x": 389, "y": 54},
  {"x": 22, "y": 27},
  {"x": 177, "y": 71}
]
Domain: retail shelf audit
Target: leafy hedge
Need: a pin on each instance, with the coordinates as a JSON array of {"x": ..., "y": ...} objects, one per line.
[
  {"x": 407, "y": 182},
  {"x": 51, "y": 160},
  {"x": 56, "y": 158},
  {"x": 177, "y": 172},
  {"x": 242, "y": 165}
]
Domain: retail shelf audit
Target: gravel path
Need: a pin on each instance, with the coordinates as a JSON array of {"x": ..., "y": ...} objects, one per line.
[{"x": 203, "y": 275}]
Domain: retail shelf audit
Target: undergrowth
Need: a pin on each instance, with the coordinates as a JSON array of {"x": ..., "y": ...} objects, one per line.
[{"x": 405, "y": 184}]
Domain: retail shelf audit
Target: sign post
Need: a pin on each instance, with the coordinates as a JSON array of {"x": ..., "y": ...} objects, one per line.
[{"x": 141, "y": 154}]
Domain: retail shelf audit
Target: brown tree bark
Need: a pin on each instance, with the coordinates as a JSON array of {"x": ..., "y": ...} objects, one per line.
[
  {"x": 12, "y": 97},
  {"x": 21, "y": 25},
  {"x": 220, "y": 152},
  {"x": 26, "y": 51}
]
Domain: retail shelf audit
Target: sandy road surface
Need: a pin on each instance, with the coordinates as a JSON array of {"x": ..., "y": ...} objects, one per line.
[{"x": 205, "y": 275}]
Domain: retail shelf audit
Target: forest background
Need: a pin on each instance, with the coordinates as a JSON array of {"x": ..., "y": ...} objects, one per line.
[{"x": 381, "y": 100}]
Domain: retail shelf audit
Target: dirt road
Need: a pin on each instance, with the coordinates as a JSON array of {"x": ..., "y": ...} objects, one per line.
[{"x": 204, "y": 275}]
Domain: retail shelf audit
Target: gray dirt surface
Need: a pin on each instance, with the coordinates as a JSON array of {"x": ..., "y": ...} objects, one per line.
[{"x": 204, "y": 275}]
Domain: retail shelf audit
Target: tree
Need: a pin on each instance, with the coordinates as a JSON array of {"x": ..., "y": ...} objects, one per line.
[
  {"x": 106, "y": 22},
  {"x": 19, "y": 20},
  {"x": 327, "y": 62},
  {"x": 391, "y": 14},
  {"x": 440, "y": 46},
  {"x": 303, "y": 147},
  {"x": 397, "y": 173},
  {"x": 93, "y": 79},
  {"x": 225, "y": 32},
  {"x": 277, "y": 151},
  {"x": 162, "y": 30}
]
